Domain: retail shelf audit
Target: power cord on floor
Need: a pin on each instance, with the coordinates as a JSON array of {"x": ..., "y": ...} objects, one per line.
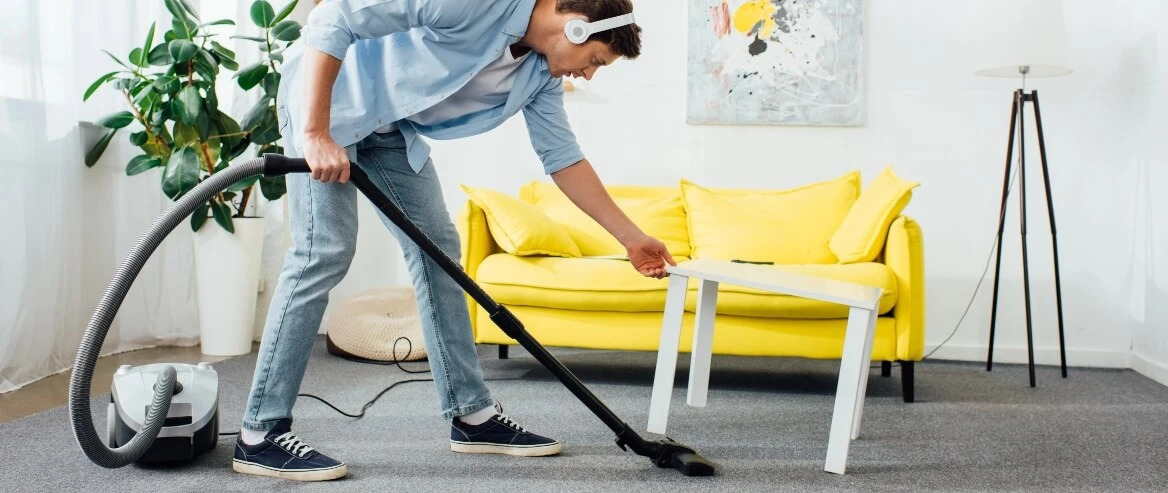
[
  {"x": 394, "y": 362},
  {"x": 976, "y": 288}
]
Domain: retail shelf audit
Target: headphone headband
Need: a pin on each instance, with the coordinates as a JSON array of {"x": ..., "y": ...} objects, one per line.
[{"x": 579, "y": 31}]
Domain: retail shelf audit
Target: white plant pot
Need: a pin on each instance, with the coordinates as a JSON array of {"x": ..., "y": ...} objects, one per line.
[{"x": 227, "y": 268}]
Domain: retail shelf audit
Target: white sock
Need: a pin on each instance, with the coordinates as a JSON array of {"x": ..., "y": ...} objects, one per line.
[
  {"x": 252, "y": 437},
  {"x": 478, "y": 417}
]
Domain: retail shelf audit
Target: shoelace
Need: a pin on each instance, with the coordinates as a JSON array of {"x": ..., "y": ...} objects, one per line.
[
  {"x": 503, "y": 418},
  {"x": 293, "y": 444}
]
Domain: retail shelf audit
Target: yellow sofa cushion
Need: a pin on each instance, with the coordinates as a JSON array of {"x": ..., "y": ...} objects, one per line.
[
  {"x": 612, "y": 285},
  {"x": 783, "y": 227},
  {"x": 658, "y": 211},
  {"x": 520, "y": 229},
  {"x": 861, "y": 236}
]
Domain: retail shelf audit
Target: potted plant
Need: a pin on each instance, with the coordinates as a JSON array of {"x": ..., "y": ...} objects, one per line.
[{"x": 175, "y": 120}]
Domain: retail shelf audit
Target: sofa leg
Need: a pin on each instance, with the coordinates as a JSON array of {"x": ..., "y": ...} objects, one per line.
[
  {"x": 906, "y": 380},
  {"x": 886, "y": 369},
  {"x": 503, "y": 351}
]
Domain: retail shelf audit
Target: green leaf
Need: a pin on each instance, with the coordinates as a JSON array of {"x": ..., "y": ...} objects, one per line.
[
  {"x": 221, "y": 50},
  {"x": 95, "y": 153},
  {"x": 160, "y": 56},
  {"x": 243, "y": 184},
  {"x": 169, "y": 36},
  {"x": 181, "y": 173},
  {"x": 189, "y": 105},
  {"x": 252, "y": 75},
  {"x": 286, "y": 30},
  {"x": 222, "y": 215},
  {"x": 136, "y": 58},
  {"x": 184, "y": 28},
  {"x": 142, "y": 61},
  {"x": 220, "y": 22},
  {"x": 203, "y": 126},
  {"x": 268, "y": 131},
  {"x": 116, "y": 120},
  {"x": 228, "y": 63},
  {"x": 199, "y": 217},
  {"x": 285, "y": 11},
  {"x": 182, "y": 50},
  {"x": 272, "y": 84},
  {"x": 262, "y": 13},
  {"x": 190, "y": 10},
  {"x": 119, "y": 62},
  {"x": 205, "y": 65},
  {"x": 255, "y": 116},
  {"x": 273, "y": 187},
  {"x": 229, "y": 132},
  {"x": 184, "y": 135},
  {"x": 142, "y": 163},
  {"x": 251, "y": 38},
  {"x": 138, "y": 138},
  {"x": 97, "y": 83},
  {"x": 166, "y": 84},
  {"x": 176, "y": 9}
]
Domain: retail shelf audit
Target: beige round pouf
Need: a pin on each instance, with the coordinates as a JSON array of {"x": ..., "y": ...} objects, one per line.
[{"x": 366, "y": 326}]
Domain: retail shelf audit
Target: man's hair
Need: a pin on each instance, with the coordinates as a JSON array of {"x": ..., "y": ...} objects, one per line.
[{"x": 624, "y": 41}]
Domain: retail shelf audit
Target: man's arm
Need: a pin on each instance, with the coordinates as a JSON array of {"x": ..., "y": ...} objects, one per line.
[{"x": 581, "y": 184}]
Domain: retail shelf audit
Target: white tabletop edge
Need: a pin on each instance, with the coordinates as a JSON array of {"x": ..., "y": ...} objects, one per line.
[{"x": 789, "y": 283}]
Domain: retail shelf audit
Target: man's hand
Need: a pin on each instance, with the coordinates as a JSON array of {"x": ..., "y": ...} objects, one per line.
[
  {"x": 328, "y": 161},
  {"x": 649, "y": 256}
]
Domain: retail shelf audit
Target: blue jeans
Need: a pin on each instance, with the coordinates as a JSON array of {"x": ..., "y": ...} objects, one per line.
[{"x": 323, "y": 224}]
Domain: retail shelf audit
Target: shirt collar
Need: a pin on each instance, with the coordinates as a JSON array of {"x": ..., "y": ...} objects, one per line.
[{"x": 517, "y": 24}]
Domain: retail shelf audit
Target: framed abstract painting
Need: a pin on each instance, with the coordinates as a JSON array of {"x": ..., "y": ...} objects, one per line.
[{"x": 776, "y": 62}]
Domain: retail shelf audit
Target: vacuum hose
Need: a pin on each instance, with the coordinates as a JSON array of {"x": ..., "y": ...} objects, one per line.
[{"x": 79, "y": 385}]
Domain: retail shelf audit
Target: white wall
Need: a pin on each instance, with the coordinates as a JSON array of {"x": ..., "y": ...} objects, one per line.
[
  {"x": 1150, "y": 333},
  {"x": 930, "y": 117}
]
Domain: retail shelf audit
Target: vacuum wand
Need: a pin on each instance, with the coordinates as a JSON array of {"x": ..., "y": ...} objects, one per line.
[{"x": 663, "y": 453}]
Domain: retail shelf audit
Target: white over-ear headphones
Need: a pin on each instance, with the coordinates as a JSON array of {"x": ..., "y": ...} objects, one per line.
[{"x": 578, "y": 30}]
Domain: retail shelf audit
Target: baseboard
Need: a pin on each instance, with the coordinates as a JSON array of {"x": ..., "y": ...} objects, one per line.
[
  {"x": 1090, "y": 358},
  {"x": 1151, "y": 369}
]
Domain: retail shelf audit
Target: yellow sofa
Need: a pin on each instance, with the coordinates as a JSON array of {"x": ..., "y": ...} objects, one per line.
[{"x": 596, "y": 301}]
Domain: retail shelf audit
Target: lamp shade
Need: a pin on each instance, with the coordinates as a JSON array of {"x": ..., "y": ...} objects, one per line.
[{"x": 1020, "y": 33}]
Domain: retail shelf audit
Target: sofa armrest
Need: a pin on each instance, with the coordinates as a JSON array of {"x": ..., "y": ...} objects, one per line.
[
  {"x": 904, "y": 253},
  {"x": 477, "y": 244}
]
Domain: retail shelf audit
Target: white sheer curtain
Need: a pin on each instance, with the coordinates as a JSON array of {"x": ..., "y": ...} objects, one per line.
[{"x": 64, "y": 227}]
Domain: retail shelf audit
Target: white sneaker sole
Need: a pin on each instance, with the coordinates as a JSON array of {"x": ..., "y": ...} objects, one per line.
[
  {"x": 491, "y": 448},
  {"x": 300, "y": 475}
]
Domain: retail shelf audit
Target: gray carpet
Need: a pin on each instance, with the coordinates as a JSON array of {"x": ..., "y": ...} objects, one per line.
[{"x": 766, "y": 427}]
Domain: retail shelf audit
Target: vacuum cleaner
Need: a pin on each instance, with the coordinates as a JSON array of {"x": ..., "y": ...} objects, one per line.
[{"x": 172, "y": 416}]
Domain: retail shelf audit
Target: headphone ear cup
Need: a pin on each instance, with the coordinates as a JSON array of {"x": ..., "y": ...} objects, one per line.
[{"x": 577, "y": 31}]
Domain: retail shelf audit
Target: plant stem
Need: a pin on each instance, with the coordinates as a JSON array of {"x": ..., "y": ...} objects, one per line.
[
  {"x": 243, "y": 201},
  {"x": 141, "y": 119}
]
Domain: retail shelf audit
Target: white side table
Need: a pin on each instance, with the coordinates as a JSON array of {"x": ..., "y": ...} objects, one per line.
[{"x": 857, "y": 352}]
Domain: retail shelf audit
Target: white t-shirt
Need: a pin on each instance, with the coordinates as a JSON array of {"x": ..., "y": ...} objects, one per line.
[{"x": 487, "y": 89}]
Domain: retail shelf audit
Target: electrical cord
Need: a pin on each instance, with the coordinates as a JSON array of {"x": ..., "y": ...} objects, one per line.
[
  {"x": 394, "y": 362},
  {"x": 976, "y": 288}
]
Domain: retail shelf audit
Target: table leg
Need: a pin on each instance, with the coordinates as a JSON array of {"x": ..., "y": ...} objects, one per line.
[
  {"x": 667, "y": 353},
  {"x": 870, "y": 333},
  {"x": 849, "y": 397},
  {"x": 703, "y": 343}
]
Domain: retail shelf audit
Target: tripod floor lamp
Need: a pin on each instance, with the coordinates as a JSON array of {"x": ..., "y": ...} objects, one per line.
[{"x": 1026, "y": 40}]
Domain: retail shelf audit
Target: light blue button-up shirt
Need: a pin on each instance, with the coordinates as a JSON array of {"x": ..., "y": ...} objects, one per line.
[{"x": 400, "y": 57}]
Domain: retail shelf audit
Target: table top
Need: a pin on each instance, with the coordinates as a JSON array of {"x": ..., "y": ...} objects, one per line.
[{"x": 768, "y": 278}]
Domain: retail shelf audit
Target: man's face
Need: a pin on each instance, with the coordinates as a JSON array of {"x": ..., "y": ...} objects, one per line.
[{"x": 572, "y": 60}]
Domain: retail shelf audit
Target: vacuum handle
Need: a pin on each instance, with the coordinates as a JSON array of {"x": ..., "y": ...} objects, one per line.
[{"x": 280, "y": 165}]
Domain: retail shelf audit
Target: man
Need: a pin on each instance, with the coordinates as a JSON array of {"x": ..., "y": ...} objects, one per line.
[{"x": 372, "y": 77}]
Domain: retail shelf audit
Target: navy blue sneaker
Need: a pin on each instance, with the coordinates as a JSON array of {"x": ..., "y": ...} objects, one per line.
[
  {"x": 499, "y": 435},
  {"x": 283, "y": 455}
]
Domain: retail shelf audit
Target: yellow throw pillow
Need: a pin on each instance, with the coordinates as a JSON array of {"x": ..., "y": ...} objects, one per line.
[
  {"x": 780, "y": 226},
  {"x": 658, "y": 211},
  {"x": 861, "y": 236},
  {"x": 520, "y": 229}
]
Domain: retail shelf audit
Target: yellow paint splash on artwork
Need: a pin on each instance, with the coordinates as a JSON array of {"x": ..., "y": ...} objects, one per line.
[{"x": 751, "y": 13}]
